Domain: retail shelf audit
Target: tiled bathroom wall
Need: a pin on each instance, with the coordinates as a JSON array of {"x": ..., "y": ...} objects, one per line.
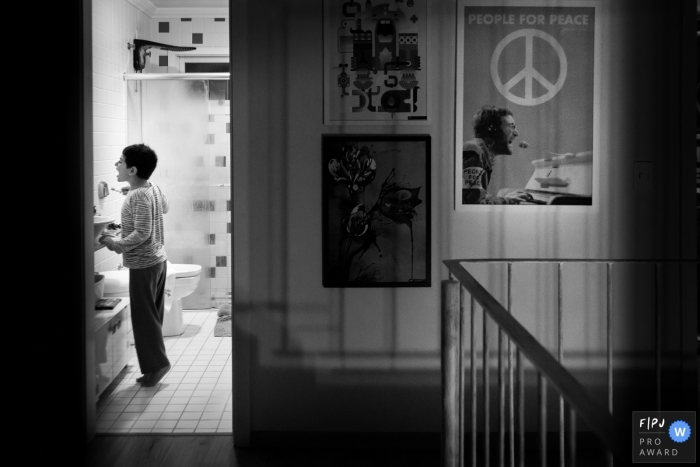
[
  {"x": 115, "y": 24},
  {"x": 185, "y": 32}
]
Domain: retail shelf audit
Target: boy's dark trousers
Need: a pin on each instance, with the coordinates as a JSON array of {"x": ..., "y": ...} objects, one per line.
[{"x": 147, "y": 296}]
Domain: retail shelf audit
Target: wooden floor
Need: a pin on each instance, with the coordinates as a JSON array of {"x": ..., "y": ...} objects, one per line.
[
  {"x": 218, "y": 450},
  {"x": 214, "y": 450}
]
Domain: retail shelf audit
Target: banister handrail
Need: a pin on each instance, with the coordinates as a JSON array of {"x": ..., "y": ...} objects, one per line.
[
  {"x": 570, "y": 260},
  {"x": 599, "y": 420}
]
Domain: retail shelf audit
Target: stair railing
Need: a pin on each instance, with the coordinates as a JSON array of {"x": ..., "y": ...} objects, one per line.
[{"x": 520, "y": 344}]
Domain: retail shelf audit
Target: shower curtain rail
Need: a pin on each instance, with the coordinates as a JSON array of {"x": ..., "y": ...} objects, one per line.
[{"x": 178, "y": 76}]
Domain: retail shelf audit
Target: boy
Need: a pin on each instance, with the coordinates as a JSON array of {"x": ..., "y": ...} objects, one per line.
[{"x": 143, "y": 248}]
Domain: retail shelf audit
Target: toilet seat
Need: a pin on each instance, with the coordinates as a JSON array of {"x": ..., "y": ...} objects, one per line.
[{"x": 185, "y": 270}]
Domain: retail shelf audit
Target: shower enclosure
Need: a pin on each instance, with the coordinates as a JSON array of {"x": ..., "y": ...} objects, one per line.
[{"x": 185, "y": 119}]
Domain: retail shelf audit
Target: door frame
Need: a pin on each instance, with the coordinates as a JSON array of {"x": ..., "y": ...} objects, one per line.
[{"x": 81, "y": 250}]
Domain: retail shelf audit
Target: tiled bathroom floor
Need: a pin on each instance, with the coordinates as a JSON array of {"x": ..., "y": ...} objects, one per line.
[{"x": 194, "y": 397}]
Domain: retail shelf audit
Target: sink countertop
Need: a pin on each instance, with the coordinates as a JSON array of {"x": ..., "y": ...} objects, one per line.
[{"x": 102, "y": 316}]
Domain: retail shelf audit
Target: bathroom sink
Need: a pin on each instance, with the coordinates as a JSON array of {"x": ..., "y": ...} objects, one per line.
[{"x": 100, "y": 222}]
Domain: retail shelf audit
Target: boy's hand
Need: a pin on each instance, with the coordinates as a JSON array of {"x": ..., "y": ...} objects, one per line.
[
  {"x": 125, "y": 190},
  {"x": 107, "y": 241}
]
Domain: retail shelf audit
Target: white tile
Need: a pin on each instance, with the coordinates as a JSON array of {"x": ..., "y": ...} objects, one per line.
[
  {"x": 108, "y": 416},
  {"x": 208, "y": 30},
  {"x": 101, "y": 256},
  {"x": 144, "y": 424},
  {"x": 110, "y": 264},
  {"x": 186, "y": 33},
  {"x": 165, "y": 424},
  {"x": 150, "y": 416},
  {"x": 175, "y": 31},
  {"x": 188, "y": 386},
  {"x": 198, "y": 400},
  {"x": 175, "y": 408},
  {"x": 163, "y": 37},
  {"x": 153, "y": 29},
  {"x": 197, "y": 25},
  {"x": 191, "y": 416},
  {"x": 221, "y": 33},
  {"x": 208, "y": 424},
  {"x": 187, "y": 424},
  {"x": 122, "y": 425},
  {"x": 211, "y": 415},
  {"x": 170, "y": 415},
  {"x": 195, "y": 408}
]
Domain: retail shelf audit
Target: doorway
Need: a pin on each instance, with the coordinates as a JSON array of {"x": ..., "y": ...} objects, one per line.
[{"x": 188, "y": 121}]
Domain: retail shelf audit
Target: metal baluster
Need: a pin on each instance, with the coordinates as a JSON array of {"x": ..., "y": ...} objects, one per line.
[
  {"x": 486, "y": 390},
  {"x": 521, "y": 405},
  {"x": 462, "y": 347},
  {"x": 501, "y": 402},
  {"x": 610, "y": 348},
  {"x": 542, "y": 400},
  {"x": 473, "y": 379},
  {"x": 560, "y": 355},
  {"x": 510, "y": 374},
  {"x": 657, "y": 314},
  {"x": 572, "y": 437},
  {"x": 451, "y": 349}
]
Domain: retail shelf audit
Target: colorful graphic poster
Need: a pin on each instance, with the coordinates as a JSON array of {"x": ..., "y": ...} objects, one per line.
[
  {"x": 374, "y": 61},
  {"x": 541, "y": 64}
]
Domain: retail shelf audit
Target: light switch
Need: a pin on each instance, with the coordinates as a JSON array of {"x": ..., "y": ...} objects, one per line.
[{"x": 643, "y": 175}]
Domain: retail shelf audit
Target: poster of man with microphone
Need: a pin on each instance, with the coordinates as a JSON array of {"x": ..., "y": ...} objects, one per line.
[{"x": 526, "y": 95}]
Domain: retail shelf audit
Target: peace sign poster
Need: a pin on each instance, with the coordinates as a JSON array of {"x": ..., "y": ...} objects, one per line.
[
  {"x": 375, "y": 64},
  {"x": 539, "y": 62}
]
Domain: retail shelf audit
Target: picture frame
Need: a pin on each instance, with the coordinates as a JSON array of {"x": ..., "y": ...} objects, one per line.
[
  {"x": 540, "y": 60},
  {"x": 375, "y": 62},
  {"x": 376, "y": 210}
]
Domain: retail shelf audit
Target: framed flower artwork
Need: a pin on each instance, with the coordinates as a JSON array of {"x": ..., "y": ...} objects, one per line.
[{"x": 376, "y": 210}]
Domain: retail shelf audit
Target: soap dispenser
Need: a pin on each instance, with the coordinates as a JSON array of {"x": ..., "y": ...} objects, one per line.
[{"x": 102, "y": 190}]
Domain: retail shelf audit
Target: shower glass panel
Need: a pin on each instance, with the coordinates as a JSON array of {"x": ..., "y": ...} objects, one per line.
[{"x": 188, "y": 129}]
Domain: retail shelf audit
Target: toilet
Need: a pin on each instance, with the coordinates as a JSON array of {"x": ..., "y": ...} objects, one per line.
[{"x": 181, "y": 280}]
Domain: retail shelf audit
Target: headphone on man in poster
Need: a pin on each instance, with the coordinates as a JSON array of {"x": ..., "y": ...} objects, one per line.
[{"x": 488, "y": 120}]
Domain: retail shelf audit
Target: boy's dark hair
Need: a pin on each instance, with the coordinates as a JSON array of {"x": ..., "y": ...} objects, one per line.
[
  {"x": 488, "y": 121},
  {"x": 142, "y": 157}
]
